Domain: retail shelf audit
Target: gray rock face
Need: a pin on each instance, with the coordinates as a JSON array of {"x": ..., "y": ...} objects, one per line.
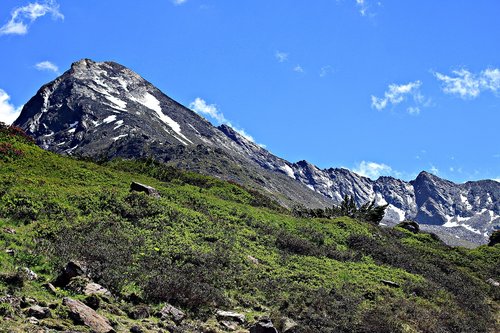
[{"x": 104, "y": 110}]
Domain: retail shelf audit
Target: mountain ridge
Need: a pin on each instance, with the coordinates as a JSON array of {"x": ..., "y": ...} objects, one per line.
[{"x": 103, "y": 109}]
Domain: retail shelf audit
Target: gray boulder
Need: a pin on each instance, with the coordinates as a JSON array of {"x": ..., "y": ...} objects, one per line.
[
  {"x": 82, "y": 314},
  {"x": 138, "y": 187},
  {"x": 264, "y": 325}
]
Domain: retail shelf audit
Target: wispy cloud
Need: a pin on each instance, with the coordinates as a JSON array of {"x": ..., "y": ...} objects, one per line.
[
  {"x": 325, "y": 70},
  {"x": 179, "y": 2},
  {"x": 396, "y": 94},
  {"x": 8, "y": 112},
  {"x": 298, "y": 69},
  {"x": 372, "y": 170},
  {"x": 201, "y": 107},
  {"x": 434, "y": 170},
  {"x": 47, "y": 66},
  {"x": 468, "y": 85},
  {"x": 22, "y": 17},
  {"x": 281, "y": 56}
]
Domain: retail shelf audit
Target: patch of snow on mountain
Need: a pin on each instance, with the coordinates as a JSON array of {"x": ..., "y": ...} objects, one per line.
[
  {"x": 395, "y": 211},
  {"x": 153, "y": 103},
  {"x": 119, "y": 137},
  {"x": 116, "y": 101},
  {"x": 118, "y": 124},
  {"x": 109, "y": 119},
  {"x": 289, "y": 171}
]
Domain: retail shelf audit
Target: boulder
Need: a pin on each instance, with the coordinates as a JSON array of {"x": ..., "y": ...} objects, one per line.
[
  {"x": 82, "y": 314},
  {"x": 493, "y": 282},
  {"x": 140, "y": 311},
  {"x": 288, "y": 325},
  {"x": 138, "y": 187},
  {"x": 170, "y": 312},
  {"x": 230, "y": 316},
  {"x": 9, "y": 231},
  {"x": 38, "y": 312},
  {"x": 136, "y": 329},
  {"x": 71, "y": 270},
  {"x": 28, "y": 273},
  {"x": 390, "y": 283},
  {"x": 264, "y": 325},
  {"x": 410, "y": 226}
]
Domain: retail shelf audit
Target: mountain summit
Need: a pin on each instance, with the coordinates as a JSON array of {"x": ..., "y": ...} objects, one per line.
[{"x": 105, "y": 110}]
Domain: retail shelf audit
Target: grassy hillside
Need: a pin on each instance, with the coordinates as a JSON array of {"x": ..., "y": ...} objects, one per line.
[{"x": 207, "y": 244}]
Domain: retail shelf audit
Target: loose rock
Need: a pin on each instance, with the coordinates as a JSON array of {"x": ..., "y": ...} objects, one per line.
[
  {"x": 390, "y": 283},
  {"x": 151, "y": 191},
  {"x": 168, "y": 311},
  {"x": 83, "y": 314},
  {"x": 71, "y": 270},
  {"x": 264, "y": 325},
  {"x": 38, "y": 312},
  {"x": 230, "y": 316}
]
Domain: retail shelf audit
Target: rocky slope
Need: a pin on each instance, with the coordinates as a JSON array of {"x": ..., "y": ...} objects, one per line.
[{"x": 104, "y": 110}]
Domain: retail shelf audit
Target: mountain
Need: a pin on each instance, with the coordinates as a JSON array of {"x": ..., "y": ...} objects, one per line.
[{"x": 104, "y": 110}]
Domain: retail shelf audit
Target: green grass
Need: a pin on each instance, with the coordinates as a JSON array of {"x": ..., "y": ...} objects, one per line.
[{"x": 196, "y": 246}]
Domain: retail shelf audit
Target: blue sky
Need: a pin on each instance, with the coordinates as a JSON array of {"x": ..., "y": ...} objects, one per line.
[{"x": 381, "y": 87}]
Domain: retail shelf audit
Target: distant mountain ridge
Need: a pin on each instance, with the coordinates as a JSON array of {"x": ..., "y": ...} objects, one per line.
[{"x": 103, "y": 109}]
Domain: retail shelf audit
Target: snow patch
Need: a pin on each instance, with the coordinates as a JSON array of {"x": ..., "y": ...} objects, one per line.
[
  {"x": 288, "y": 170},
  {"x": 118, "y": 124},
  {"x": 119, "y": 137},
  {"x": 109, "y": 119},
  {"x": 153, "y": 103}
]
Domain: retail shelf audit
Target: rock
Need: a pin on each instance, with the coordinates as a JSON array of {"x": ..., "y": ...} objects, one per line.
[
  {"x": 93, "y": 288},
  {"x": 27, "y": 301},
  {"x": 229, "y": 325},
  {"x": 151, "y": 191},
  {"x": 30, "y": 275},
  {"x": 168, "y": 311},
  {"x": 83, "y": 314},
  {"x": 50, "y": 287},
  {"x": 71, "y": 270},
  {"x": 140, "y": 311},
  {"x": 83, "y": 285},
  {"x": 287, "y": 325},
  {"x": 493, "y": 282},
  {"x": 93, "y": 301},
  {"x": 390, "y": 283},
  {"x": 253, "y": 260},
  {"x": 38, "y": 312},
  {"x": 9, "y": 231},
  {"x": 136, "y": 329},
  {"x": 33, "y": 320},
  {"x": 410, "y": 226},
  {"x": 230, "y": 316},
  {"x": 264, "y": 325},
  {"x": 10, "y": 252}
]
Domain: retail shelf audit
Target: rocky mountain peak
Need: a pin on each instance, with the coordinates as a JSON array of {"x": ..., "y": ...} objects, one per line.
[{"x": 103, "y": 109}]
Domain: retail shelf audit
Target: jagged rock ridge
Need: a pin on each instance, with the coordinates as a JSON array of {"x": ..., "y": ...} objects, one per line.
[{"x": 103, "y": 109}]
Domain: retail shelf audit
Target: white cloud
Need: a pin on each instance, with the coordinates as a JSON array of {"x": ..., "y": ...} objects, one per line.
[
  {"x": 298, "y": 69},
  {"x": 179, "y": 2},
  {"x": 22, "y": 17},
  {"x": 362, "y": 6},
  {"x": 372, "y": 170},
  {"x": 201, "y": 107},
  {"x": 468, "y": 85},
  {"x": 414, "y": 110},
  {"x": 8, "y": 112},
  {"x": 281, "y": 56},
  {"x": 325, "y": 70},
  {"x": 397, "y": 94},
  {"x": 434, "y": 170},
  {"x": 47, "y": 66}
]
